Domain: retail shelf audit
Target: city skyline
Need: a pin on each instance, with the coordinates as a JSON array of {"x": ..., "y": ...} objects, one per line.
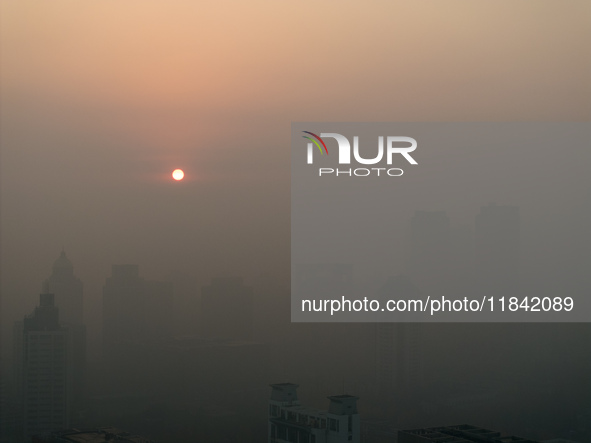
[
  {"x": 404, "y": 354},
  {"x": 168, "y": 302}
]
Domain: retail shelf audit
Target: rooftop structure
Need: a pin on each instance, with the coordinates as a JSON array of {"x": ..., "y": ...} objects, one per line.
[
  {"x": 90, "y": 436},
  {"x": 457, "y": 434},
  {"x": 290, "y": 422}
]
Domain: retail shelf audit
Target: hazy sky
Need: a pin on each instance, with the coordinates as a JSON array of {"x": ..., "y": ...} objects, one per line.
[{"x": 101, "y": 100}]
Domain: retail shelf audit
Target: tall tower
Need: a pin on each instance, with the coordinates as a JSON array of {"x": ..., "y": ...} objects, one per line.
[
  {"x": 68, "y": 296},
  {"x": 67, "y": 289},
  {"x": 399, "y": 347},
  {"x": 44, "y": 389}
]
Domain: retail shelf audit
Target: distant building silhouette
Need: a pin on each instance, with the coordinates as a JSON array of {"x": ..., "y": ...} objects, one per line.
[
  {"x": 291, "y": 422},
  {"x": 457, "y": 434},
  {"x": 227, "y": 309},
  {"x": 68, "y": 290},
  {"x": 497, "y": 249},
  {"x": 134, "y": 309},
  {"x": 398, "y": 346},
  {"x": 68, "y": 295},
  {"x": 3, "y": 405},
  {"x": 43, "y": 370},
  {"x": 10, "y": 417}
]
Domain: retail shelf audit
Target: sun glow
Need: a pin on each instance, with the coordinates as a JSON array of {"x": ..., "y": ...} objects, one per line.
[{"x": 178, "y": 174}]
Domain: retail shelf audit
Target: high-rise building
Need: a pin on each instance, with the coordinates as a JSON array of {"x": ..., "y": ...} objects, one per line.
[
  {"x": 68, "y": 295},
  {"x": 67, "y": 289},
  {"x": 3, "y": 405},
  {"x": 497, "y": 249},
  {"x": 42, "y": 348},
  {"x": 290, "y": 422},
  {"x": 398, "y": 350},
  {"x": 10, "y": 417},
  {"x": 227, "y": 309},
  {"x": 135, "y": 310}
]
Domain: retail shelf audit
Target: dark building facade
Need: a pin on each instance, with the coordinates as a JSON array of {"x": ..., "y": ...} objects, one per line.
[
  {"x": 291, "y": 422},
  {"x": 43, "y": 349},
  {"x": 68, "y": 292},
  {"x": 399, "y": 362}
]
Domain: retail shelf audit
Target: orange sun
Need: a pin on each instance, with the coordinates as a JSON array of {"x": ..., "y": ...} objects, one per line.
[{"x": 178, "y": 174}]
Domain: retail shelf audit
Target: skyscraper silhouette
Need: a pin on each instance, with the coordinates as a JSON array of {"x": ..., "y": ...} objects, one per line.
[
  {"x": 68, "y": 298},
  {"x": 68, "y": 290},
  {"x": 399, "y": 349},
  {"x": 42, "y": 348}
]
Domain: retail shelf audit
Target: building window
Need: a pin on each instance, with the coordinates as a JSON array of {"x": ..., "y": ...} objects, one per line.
[
  {"x": 292, "y": 435},
  {"x": 333, "y": 424},
  {"x": 273, "y": 410}
]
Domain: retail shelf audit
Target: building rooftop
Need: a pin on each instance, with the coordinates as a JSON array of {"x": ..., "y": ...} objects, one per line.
[
  {"x": 62, "y": 263},
  {"x": 102, "y": 435},
  {"x": 457, "y": 434}
]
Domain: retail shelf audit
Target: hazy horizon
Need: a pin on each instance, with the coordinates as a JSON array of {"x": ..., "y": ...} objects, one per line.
[{"x": 102, "y": 100}]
